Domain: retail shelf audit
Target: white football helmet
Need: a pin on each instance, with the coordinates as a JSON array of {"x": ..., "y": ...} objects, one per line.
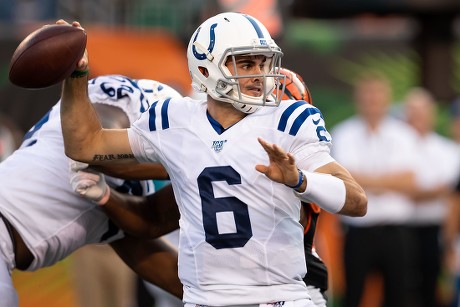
[{"x": 228, "y": 35}]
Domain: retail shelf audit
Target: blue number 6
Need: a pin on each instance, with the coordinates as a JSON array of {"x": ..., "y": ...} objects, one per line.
[{"x": 211, "y": 206}]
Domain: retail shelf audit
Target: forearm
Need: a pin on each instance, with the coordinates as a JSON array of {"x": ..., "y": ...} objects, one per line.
[
  {"x": 333, "y": 189},
  {"x": 79, "y": 120},
  {"x": 151, "y": 216},
  {"x": 435, "y": 192},
  {"x": 140, "y": 171},
  {"x": 330, "y": 186}
]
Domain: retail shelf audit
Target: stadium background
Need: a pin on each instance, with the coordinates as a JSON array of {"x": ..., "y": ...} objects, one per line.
[{"x": 327, "y": 41}]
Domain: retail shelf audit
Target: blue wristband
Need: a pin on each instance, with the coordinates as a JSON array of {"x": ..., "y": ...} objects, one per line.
[{"x": 295, "y": 187}]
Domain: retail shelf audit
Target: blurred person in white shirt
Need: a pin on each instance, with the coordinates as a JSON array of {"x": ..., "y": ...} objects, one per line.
[
  {"x": 378, "y": 150},
  {"x": 437, "y": 171}
]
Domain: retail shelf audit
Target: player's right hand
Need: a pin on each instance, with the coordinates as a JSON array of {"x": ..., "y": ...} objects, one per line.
[
  {"x": 83, "y": 63},
  {"x": 88, "y": 183}
]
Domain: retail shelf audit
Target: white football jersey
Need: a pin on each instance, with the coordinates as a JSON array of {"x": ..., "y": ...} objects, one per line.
[
  {"x": 240, "y": 237},
  {"x": 35, "y": 193}
]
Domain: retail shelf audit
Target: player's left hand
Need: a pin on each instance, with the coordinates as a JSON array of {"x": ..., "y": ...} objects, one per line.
[
  {"x": 88, "y": 183},
  {"x": 282, "y": 167}
]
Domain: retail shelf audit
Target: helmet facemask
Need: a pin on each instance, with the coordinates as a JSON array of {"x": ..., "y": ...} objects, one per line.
[{"x": 229, "y": 87}]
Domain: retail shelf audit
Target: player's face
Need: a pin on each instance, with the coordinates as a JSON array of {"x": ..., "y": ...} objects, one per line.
[{"x": 245, "y": 65}]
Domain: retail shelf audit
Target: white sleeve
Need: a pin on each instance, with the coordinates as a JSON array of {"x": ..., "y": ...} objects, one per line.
[
  {"x": 142, "y": 149},
  {"x": 325, "y": 190}
]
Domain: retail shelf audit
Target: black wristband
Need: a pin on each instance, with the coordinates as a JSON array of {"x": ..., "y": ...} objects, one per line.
[{"x": 79, "y": 73}]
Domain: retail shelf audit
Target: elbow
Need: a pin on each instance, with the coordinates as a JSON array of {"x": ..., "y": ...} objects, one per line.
[
  {"x": 356, "y": 206},
  {"x": 71, "y": 154},
  {"x": 76, "y": 156},
  {"x": 360, "y": 207},
  {"x": 77, "y": 153}
]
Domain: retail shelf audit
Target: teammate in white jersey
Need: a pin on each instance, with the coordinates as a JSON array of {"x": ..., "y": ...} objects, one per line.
[
  {"x": 42, "y": 220},
  {"x": 239, "y": 196}
]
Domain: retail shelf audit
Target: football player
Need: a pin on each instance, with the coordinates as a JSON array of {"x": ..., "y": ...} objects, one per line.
[
  {"x": 42, "y": 220},
  {"x": 239, "y": 192}
]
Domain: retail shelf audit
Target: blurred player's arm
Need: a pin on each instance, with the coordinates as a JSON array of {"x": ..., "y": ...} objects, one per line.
[
  {"x": 149, "y": 216},
  {"x": 153, "y": 260}
]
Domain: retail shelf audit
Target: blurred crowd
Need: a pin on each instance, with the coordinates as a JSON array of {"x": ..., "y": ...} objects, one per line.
[{"x": 409, "y": 173}]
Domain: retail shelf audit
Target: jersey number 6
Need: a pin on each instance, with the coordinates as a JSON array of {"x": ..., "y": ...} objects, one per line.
[{"x": 212, "y": 206}]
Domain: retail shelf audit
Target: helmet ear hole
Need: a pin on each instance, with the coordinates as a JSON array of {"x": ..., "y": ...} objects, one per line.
[{"x": 203, "y": 71}]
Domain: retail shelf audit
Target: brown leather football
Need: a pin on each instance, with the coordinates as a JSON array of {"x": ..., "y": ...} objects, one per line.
[{"x": 47, "y": 56}]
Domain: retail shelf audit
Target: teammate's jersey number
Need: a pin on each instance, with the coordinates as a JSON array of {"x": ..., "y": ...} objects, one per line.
[{"x": 212, "y": 206}]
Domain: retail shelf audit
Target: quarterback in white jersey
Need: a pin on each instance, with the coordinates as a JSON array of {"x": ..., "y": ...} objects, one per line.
[
  {"x": 238, "y": 193},
  {"x": 36, "y": 198},
  {"x": 238, "y": 227}
]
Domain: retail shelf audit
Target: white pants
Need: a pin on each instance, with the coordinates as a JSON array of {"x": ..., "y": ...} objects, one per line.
[
  {"x": 8, "y": 295},
  {"x": 297, "y": 303},
  {"x": 316, "y": 296}
]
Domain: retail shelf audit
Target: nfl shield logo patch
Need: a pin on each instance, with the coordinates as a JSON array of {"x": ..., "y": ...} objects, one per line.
[{"x": 218, "y": 145}]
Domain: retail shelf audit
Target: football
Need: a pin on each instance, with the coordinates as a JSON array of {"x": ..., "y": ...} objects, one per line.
[{"x": 47, "y": 56}]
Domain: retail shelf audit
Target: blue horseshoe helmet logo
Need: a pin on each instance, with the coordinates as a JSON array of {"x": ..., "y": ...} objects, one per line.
[{"x": 212, "y": 41}]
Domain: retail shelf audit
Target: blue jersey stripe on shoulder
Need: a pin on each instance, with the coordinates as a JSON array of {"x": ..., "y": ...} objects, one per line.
[
  {"x": 301, "y": 119},
  {"x": 152, "y": 116},
  {"x": 164, "y": 114},
  {"x": 287, "y": 113}
]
